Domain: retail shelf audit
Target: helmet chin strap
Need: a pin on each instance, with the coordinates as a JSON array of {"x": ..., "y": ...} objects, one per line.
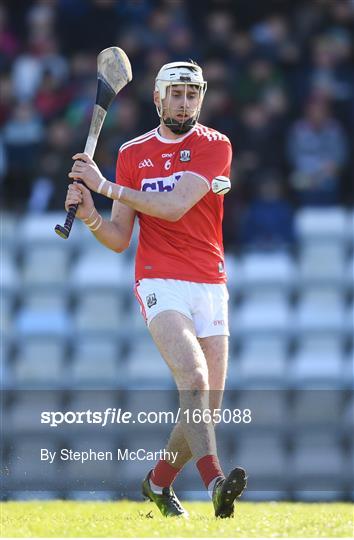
[{"x": 179, "y": 128}]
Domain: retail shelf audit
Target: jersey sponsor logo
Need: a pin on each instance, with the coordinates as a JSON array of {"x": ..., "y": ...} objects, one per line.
[
  {"x": 161, "y": 184},
  {"x": 167, "y": 155},
  {"x": 145, "y": 163},
  {"x": 185, "y": 155},
  {"x": 219, "y": 322},
  {"x": 151, "y": 300}
]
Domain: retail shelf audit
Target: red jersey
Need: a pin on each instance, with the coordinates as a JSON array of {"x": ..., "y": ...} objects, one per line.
[{"x": 191, "y": 248}]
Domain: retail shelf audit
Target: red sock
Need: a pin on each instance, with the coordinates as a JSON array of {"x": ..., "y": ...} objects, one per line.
[
  {"x": 163, "y": 474},
  {"x": 209, "y": 468}
]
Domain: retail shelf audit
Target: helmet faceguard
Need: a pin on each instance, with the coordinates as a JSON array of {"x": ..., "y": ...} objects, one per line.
[{"x": 177, "y": 74}]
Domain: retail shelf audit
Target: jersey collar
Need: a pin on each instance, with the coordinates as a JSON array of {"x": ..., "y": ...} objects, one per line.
[{"x": 172, "y": 141}]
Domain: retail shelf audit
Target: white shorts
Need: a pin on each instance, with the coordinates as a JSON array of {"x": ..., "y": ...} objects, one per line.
[{"x": 204, "y": 303}]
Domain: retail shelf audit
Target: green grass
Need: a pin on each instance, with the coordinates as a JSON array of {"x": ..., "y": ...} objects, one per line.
[{"x": 131, "y": 519}]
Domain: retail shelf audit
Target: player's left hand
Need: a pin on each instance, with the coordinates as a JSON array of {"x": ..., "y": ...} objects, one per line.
[{"x": 85, "y": 169}]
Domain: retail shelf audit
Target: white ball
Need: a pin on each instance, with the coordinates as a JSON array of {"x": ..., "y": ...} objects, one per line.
[{"x": 221, "y": 185}]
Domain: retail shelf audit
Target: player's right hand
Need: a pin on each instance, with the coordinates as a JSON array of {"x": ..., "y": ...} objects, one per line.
[{"x": 79, "y": 194}]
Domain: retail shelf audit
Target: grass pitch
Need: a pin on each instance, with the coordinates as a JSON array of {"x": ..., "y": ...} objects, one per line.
[{"x": 126, "y": 519}]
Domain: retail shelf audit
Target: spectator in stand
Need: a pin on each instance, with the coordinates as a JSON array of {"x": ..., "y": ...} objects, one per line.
[
  {"x": 260, "y": 76},
  {"x": 272, "y": 35},
  {"x": 160, "y": 25},
  {"x": 219, "y": 27},
  {"x": 23, "y": 134},
  {"x": 241, "y": 49},
  {"x": 181, "y": 43},
  {"x": 79, "y": 110},
  {"x": 52, "y": 61},
  {"x": 267, "y": 223},
  {"x": 331, "y": 76},
  {"x": 9, "y": 43},
  {"x": 122, "y": 124},
  {"x": 217, "y": 108},
  {"x": 342, "y": 14},
  {"x": 48, "y": 186},
  {"x": 26, "y": 76},
  {"x": 317, "y": 152},
  {"x": 52, "y": 97},
  {"x": 331, "y": 65},
  {"x": 257, "y": 141}
]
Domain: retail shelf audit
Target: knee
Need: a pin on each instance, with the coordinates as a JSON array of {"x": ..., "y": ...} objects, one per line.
[{"x": 197, "y": 379}]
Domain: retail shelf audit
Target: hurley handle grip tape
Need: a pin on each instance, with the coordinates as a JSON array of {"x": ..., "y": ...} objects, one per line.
[{"x": 64, "y": 230}]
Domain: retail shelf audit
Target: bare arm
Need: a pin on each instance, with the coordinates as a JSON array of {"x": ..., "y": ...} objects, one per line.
[
  {"x": 114, "y": 233},
  {"x": 170, "y": 205}
]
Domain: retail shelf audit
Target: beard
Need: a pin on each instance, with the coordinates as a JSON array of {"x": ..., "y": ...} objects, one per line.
[{"x": 180, "y": 127}]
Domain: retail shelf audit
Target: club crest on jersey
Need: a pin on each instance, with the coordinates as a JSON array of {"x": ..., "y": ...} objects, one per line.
[
  {"x": 185, "y": 155},
  {"x": 151, "y": 300}
]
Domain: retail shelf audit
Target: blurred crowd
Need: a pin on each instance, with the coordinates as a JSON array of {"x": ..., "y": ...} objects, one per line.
[{"x": 280, "y": 85}]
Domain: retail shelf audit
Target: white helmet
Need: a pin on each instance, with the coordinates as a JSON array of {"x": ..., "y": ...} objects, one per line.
[{"x": 177, "y": 73}]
